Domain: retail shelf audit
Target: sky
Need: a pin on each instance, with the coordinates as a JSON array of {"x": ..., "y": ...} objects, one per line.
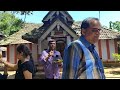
[{"x": 105, "y": 16}]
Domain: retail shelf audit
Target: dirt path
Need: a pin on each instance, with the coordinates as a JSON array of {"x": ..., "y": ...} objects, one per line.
[
  {"x": 110, "y": 73},
  {"x": 10, "y": 74}
]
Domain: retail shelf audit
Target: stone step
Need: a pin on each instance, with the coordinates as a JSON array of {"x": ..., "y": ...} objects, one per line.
[
  {"x": 40, "y": 68},
  {"x": 39, "y": 75}
]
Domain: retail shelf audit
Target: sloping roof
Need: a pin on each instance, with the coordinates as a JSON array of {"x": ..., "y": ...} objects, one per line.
[
  {"x": 48, "y": 14},
  {"x": 37, "y": 33},
  {"x": 16, "y": 38},
  {"x": 109, "y": 34},
  {"x": 104, "y": 33},
  {"x": 33, "y": 30}
]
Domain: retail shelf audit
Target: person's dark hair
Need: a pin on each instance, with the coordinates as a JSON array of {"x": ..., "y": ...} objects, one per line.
[
  {"x": 51, "y": 40},
  {"x": 23, "y": 49},
  {"x": 86, "y": 22}
]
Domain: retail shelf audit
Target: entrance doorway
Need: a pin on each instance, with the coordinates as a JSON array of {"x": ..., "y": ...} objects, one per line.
[{"x": 60, "y": 46}]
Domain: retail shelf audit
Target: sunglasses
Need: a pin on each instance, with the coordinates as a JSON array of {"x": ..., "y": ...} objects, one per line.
[{"x": 95, "y": 30}]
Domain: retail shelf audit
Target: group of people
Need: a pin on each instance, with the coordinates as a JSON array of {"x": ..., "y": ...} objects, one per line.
[{"x": 80, "y": 60}]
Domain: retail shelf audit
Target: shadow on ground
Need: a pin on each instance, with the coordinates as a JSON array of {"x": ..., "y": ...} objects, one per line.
[
  {"x": 11, "y": 76},
  {"x": 115, "y": 72}
]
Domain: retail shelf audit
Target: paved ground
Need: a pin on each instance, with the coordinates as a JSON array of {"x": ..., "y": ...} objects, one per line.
[
  {"x": 10, "y": 74},
  {"x": 111, "y": 73}
]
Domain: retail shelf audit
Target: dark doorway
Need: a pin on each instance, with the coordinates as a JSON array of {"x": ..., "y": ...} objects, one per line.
[{"x": 60, "y": 45}]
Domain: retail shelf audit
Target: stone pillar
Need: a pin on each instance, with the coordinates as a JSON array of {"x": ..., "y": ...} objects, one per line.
[{"x": 39, "y": 46}]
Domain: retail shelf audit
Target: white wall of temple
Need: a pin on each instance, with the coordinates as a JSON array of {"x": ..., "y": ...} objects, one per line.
[
  {"x": 96, "y": 48},
  {"x": 44, "y": 45},
  {"x": 35, "y": 49},
  {"x": 104, "y": 50},
  {"x": 112, "y": 48}
]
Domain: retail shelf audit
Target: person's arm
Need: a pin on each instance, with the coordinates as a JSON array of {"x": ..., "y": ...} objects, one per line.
[
  {"x": 72, "y": 55},
  {"x": 5, "y": 74},
  {"x": 44, "y": 57},
  {"x": 70, "y": 62},
  {"x": 27, "y": 74},
  {"x": 5, "y": 70},
  {"x": 9, "y": 65}
]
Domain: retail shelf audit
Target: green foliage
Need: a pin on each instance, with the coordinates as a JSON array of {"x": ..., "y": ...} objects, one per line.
[
  {"x": 21, "y": 12},
  {"x": 116, "y": 56},
  {"x": 9, "y": 24},
  {"x": 115, "y": 25}
]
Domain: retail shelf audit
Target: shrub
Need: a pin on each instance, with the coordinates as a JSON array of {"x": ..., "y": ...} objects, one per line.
[{"x": 116, "y": 56}]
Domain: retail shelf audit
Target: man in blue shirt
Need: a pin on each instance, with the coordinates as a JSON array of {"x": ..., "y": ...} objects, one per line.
[{"x": 81, "y": 61}]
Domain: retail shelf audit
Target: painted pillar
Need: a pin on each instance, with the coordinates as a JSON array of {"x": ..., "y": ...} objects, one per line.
[{"x": 8, "y": 54}]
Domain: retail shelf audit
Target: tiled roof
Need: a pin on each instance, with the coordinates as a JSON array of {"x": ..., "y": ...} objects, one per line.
[
  {"x": 33, "y": 30},
  {"x": 109, "y": 34},
  {"x": 16, "y": 38},
  {"x": 34, "y": 34},
  {"x": 37, "y": 33},
  {"x": 104, "y": 33}
]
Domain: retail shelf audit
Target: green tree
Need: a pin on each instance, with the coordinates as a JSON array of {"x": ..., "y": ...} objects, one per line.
[
  {"x": 9, "y": 24},
  {"x": 115, "y": 25},
  {"x": 21, "y": 12}
]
